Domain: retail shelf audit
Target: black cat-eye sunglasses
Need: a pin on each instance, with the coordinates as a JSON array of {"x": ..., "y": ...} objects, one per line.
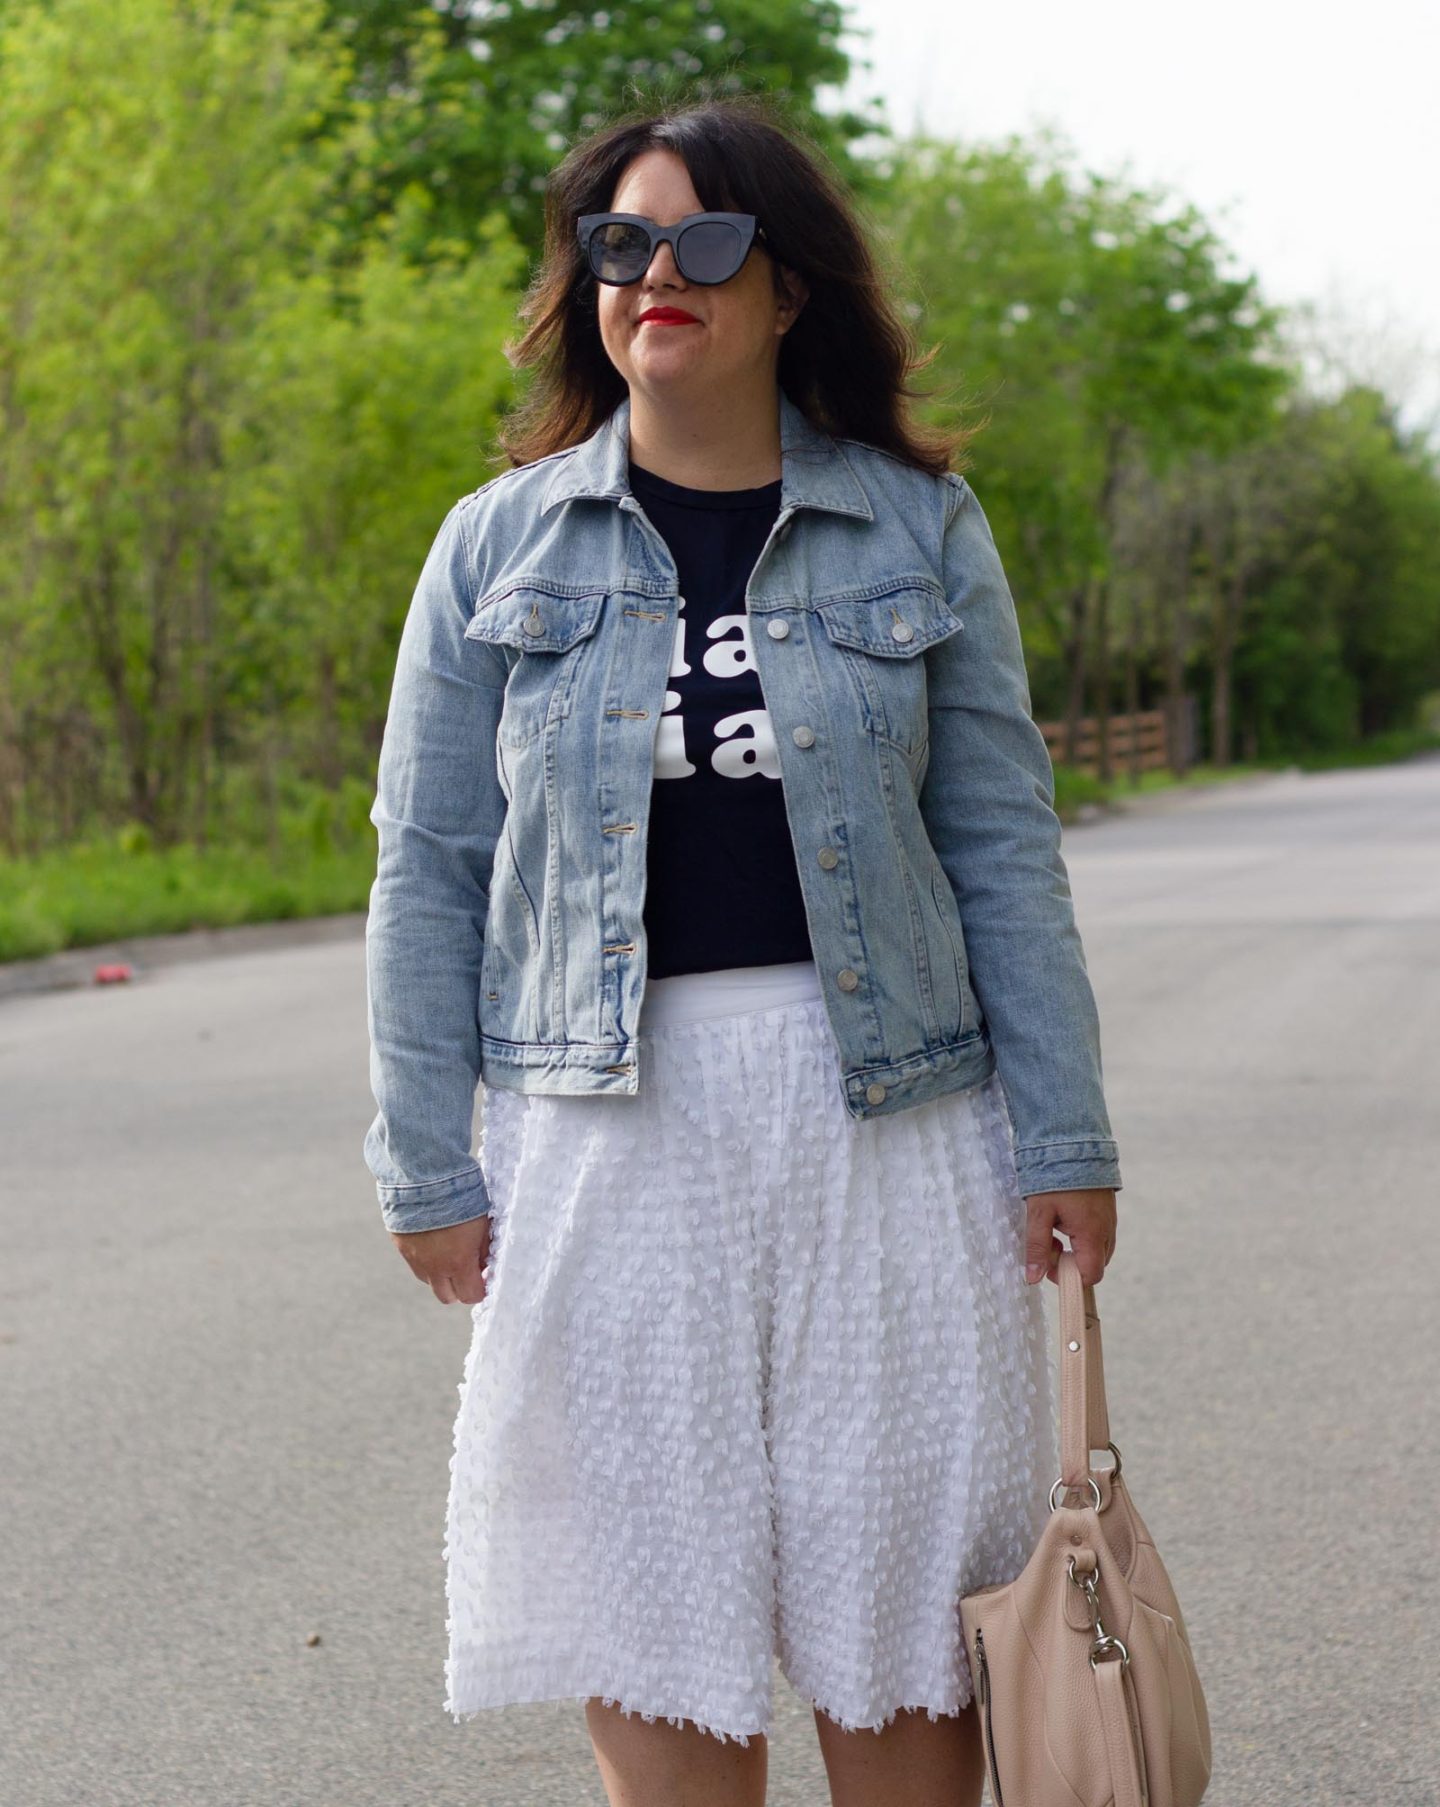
[{"x": 708, "y": 247}]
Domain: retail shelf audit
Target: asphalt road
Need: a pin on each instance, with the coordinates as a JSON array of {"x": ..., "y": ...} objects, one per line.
[{"x": 226, "y": 1406}]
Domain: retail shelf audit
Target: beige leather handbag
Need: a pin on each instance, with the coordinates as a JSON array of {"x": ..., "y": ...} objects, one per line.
[{"x": 1086, "y": 1687}]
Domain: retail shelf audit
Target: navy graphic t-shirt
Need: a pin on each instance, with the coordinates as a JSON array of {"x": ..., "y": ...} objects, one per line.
[{"x": 721, "y": 886}]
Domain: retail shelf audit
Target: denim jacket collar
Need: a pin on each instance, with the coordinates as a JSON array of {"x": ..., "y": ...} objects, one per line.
[{"x": 815, "y": 472}]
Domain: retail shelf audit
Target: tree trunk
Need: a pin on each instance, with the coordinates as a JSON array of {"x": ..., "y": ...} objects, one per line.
[
  {"x": 1074, "y": 672},
  {"x": 1102, "y": 678},
  {"x": 1176, "y": 648},
  {"x": 1132, "y": 681}
]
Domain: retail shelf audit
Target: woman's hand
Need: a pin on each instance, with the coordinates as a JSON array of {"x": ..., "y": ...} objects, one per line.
[
  {"x": 450, "y": 1261},
  {"x": 1087, "y": 1217}
]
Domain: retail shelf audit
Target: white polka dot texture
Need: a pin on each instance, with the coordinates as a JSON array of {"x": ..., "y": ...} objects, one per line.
[{"x": 751, "y": 1379}]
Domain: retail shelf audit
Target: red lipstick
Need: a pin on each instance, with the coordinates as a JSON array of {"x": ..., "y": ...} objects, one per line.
[{"x": 667, "y": 316}]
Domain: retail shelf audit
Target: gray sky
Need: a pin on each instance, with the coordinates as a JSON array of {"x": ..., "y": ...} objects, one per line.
[{"x": 1309, "y": 136}]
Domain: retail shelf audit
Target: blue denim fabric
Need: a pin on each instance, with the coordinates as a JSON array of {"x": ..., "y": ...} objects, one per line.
[{"x": 505, "y": 939}]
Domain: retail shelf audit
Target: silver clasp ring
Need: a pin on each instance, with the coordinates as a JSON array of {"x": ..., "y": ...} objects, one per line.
[
  {"x": 1114, "y": 1474},
  {"x": 1090, "y": 1482},
  {"x": 1107, "y": 1642}
]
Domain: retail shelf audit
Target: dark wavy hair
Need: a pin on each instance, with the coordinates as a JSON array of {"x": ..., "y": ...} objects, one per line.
[{"x": 844, "y": 362}]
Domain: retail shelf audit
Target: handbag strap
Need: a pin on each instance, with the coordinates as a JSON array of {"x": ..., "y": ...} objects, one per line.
[
  {"x": 1123, "y": 1739},
  {"x": 1084, "y": 1415},
  {"x": 1085, "y": 1425}
]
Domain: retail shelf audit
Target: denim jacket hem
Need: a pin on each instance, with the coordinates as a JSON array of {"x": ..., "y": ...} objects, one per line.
[
  {"x": 1067, "y": 1166},
  {"x": 434, "y": 1204},
  {"x": 588, "y": 1068}
]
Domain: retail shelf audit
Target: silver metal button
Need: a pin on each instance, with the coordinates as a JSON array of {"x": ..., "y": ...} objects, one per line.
[
  {"x": 902, "y": 630},
  {"x": 828, "y": 858},
  {"x": 846, "y": 979},
  {"x": 803, "y": 737},
  {"x": 533, "y": 625},
  {"x": 875, "y": 1093},
  {"x": 777, "y": 629}
]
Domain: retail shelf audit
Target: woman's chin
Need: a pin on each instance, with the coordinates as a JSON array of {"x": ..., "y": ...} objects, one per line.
[
  {"x": 670, "y": 375},
  {"x": 662, "y": 360}
]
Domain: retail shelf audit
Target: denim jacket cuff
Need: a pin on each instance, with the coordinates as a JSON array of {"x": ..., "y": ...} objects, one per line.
[
  {"x": 1068, "y": 1166},
  {"x": 434, "y": 1204}
]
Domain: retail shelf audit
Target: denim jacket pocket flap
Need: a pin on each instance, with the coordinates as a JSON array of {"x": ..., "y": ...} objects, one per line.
[
  {"x": 896, "y": 624},
  {"x": 534, "y": 620}
]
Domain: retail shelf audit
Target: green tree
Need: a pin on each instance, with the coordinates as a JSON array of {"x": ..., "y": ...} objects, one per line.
[
  {"x": 1097, "y": 324},
  {"x": 228, "y": 436},
  {"x": 1366, "y": 563},
  {"x": 476, "y": 104}
]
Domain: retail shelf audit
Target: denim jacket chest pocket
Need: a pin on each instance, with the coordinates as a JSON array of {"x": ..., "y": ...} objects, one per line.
[
  {"x": 543, "y": 629},
  {"x": 878, "y": 640}
]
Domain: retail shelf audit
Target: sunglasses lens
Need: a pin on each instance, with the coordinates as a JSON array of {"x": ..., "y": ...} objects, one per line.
[
  {"x": 619, "y": 251},
  {"x": 710, "y": 251}
]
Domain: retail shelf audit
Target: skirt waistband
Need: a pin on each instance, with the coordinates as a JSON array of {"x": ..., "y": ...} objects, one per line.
[{"x": 727, "y": 991}]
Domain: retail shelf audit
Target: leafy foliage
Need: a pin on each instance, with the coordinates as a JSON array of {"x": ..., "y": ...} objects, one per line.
[{"x": 259, "y": 262}]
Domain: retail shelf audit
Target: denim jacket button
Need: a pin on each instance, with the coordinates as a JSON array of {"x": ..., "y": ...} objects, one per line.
[
  {"x": 777, "y": 630},
  {"x": 847, "y": 979},
  {"x": 828, "y": 858},
  {"x": 902, "y": 630},
  {"x": 875, "y": 1093},
  {"x": 803, "y": 737},
  {"x": 533, "y": 625}
]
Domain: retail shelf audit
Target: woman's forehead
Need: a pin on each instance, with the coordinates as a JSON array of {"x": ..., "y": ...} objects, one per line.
[{"x": 658, "y": 184}]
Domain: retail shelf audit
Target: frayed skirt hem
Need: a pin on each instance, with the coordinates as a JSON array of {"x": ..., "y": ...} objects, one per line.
[
  {"x": 469, "y": 1703},
  {"x": 860, "y": 1723},
  {"x": 472, "y": 1702}
]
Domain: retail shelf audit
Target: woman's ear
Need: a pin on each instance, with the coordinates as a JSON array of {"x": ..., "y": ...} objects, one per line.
[{"x": 796, "y": 294}]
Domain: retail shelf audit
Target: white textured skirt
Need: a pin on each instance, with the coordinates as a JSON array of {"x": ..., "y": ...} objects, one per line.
[{"x": 751, "y": 1380}]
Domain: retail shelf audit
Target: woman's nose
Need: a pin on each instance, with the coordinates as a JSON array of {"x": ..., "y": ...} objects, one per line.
[{"x": 663, "y": 267}]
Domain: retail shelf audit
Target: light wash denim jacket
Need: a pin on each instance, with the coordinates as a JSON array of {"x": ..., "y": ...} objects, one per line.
[{"x": 505, "y": 940}]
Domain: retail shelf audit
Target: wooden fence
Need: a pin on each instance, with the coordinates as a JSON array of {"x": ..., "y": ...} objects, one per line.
[{"x": 1141, "y": 741}]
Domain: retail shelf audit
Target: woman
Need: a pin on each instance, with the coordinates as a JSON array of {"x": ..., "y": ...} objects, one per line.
[{"x": 717, "y": 841}]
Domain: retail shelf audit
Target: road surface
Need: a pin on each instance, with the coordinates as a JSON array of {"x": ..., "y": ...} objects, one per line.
[{"x": 226, "y": 1404}]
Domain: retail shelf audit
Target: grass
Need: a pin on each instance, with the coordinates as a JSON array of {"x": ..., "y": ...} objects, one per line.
[
  {"x": 1379, "y": 749},
  {"x": 98, "y": 892},
  {"x": 1075, "y": 789},
  {"x": 321, "y": 862}
]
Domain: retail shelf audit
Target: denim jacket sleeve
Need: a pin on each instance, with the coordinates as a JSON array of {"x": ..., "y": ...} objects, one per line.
[
  {"x": 438, "y": 810},
  {"x": 988, "y": 804}
]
